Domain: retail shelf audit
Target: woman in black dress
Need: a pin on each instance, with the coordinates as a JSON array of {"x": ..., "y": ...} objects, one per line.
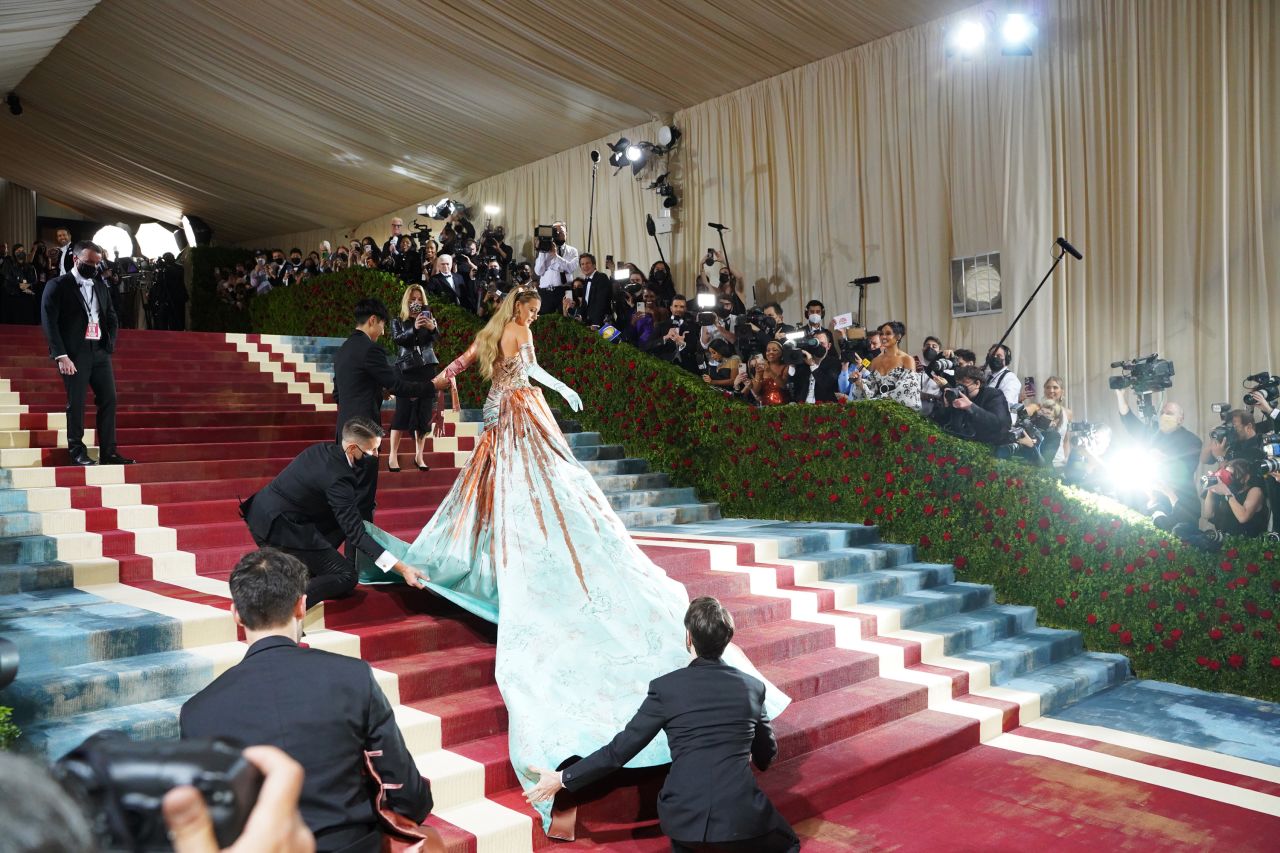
[{"x": 414, "y": 332}]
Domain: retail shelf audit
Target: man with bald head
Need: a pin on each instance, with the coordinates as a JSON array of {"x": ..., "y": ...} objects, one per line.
[{"x": 1173, "y": 498}]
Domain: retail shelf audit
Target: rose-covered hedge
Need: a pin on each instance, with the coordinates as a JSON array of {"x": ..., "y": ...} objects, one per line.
[{"x": 1086, "y": 563}]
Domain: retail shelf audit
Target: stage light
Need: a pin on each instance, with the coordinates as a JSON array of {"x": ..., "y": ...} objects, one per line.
[
  {"x": 197, "y": 231},
  {"x": 668, "y": 136},
  {"x": 968, "y": 38},
  {"x": 618, "y": 158},
  {"x": 115, "y": 241},
  {"x": 634, "y": 153},
  {"x": 1016, "y": 34},
  {"x": 492, "y": 210},
  {"x": 155, "y": 240}
]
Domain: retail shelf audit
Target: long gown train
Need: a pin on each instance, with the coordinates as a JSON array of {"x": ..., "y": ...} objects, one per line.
[{"x": 586, "y": 619}]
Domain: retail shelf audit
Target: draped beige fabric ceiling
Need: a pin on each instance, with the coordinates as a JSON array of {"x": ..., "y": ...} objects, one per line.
[{"x": 267, "y": 117}]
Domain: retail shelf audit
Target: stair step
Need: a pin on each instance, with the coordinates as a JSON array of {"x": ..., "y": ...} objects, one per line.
[
  {"x": 30, "y": 577},
  {"x": 1062, "y": 684},
  {"x": 930, "y": 605},
  {"x": 875, "y": 586},
  {"x": 964, "y": 631},
  {"x": 1026, "y": 653},
  {"x": 436, "y": 673},
  {"x": 153, "y": 720}
]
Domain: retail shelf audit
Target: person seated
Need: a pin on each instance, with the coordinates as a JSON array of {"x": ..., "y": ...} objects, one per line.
[
  {"x": 325, "y": 710},
  {"x": 716, "y": 725}
]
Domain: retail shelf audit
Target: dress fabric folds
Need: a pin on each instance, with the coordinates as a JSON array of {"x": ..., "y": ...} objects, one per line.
[{"x": 527, "y": 539}]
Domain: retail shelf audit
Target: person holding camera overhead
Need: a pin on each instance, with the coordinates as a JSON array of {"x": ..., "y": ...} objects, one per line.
[
  {"x": 414, "y": 332},
  {"x": 893, "y": 372},
  {"x": 556, "y": 263}
]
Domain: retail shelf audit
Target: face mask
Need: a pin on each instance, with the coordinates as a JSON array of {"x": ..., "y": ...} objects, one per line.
[
  {"x": 722, "y": 312},
  {"x": 559, "y": 241},
  {"x": 996, "y": 363},
  {"x": 21, "y": 256},
  {"x": 1168, "y": 423},
  {"x": 86, "y": 270},
  {"x": 815, "y": 319},
  {"x": 724, "y": 278}
]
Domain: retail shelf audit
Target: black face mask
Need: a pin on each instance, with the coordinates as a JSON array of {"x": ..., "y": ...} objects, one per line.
[
  {"x": 87, "y": 270},
  {"x": 660, "y": 275},
  {"x": 995, "y": 362},
  {"x": 559, "y": 241},
  {"x": 295, "y": 261},
  {"x": 723, "y": 312},
  {"x": 724, "y": 278},
  {"x": 22, "y": 256}
]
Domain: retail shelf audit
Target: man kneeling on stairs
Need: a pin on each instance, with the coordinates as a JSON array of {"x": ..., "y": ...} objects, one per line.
[
  {"x": 313, "y": 505},
  {"x": 716, "y": 726}
]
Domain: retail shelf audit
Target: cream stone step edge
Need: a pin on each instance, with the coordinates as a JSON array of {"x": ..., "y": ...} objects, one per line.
[
  {"x": 13, "y": 420},
  {"x": 282, "y": 374},
  {"x": 457, "y": 782},
  {"x": 805, "y": 608},
  {"x": 21, "y": 438},
  {"x": 308, "y": 370}
]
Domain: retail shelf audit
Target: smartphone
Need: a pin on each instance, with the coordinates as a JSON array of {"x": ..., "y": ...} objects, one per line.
[
  {"x": 1029, "y": 386},
  {"x": 608, "y": 260},
  {"x": 641, "y": 308}
]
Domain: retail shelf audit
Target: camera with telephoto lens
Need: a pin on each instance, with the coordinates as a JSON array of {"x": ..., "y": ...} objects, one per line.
[
  {"x": 797, "y": 344},
  {"x": 706, "y": 303},
  {"x": 1027, "y": 425},
  {"x": 1081, "y": 432},
  {"x": 1265, "y": 385},
  {"x": 422, "y": 231},
  {"x": 1270, "y": 463},
  {"x": 936, "y": 364},
  {"x": 544, "y": 237},
  {"x": 120, "y": 783},
  {"x": 1144, "y": 375},
  {"x": 853, "y": 350}
]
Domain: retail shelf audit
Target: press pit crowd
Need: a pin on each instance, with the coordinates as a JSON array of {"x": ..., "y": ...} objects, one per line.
[{"x": 758, "y": 355}]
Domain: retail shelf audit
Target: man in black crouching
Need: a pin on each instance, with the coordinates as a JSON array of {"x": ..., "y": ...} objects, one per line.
[
  {"x": 714, "y": 718},
  {"x": 325, "y": 710},
  {"x": 314, "y": 504}
]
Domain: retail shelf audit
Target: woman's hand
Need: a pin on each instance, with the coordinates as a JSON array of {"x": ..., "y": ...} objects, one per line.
[{"x": 1220, "y": 488}]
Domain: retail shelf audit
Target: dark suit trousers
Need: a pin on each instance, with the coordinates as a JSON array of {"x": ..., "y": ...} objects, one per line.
[
  {"x": 332, "y": 575},
  {"x": 93, "y": 370},
  {"x": 780, "y": 840}
]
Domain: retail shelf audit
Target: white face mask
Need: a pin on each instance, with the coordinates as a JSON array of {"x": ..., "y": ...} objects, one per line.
[{"x": 815, "y": 319}]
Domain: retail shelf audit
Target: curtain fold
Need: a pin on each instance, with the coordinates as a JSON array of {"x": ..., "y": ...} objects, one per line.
[{"x": 17, "y": 214}]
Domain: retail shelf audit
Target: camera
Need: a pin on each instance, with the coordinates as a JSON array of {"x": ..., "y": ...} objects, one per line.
[
  {"x": 120, "y": 783},
  {"x": 1026, "y": 424},
  {"x": 1144, "y": 375},
  {"x": 422, "y": 231},
  {"x": 1263, "y": 384},
  {"x": 1082, "y": 432},
  {"x": 797, "y": 344},
  {"x": 1270, "y": 464},
  {"x": 1223, "y": 433},
  {"x": 710, "y": 259},
  {"x": 544, "y": 237},
  {"x": 950, "y": 395},
  {"x": 706, "y": 309}
]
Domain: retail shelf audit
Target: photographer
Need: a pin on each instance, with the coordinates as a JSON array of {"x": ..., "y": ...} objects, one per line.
[
  {"x": 1176, "y": 446},
  {"x": 1233, "y": 502},
  {"x": 414, "y": 332},
  {"x": 555, "y": 263},
  {"x": 492, "y": 244},
  {"x": 660, "y": 281},
  {"x": 722, "y": 328},
  {"x": 975, "y": 410},
  {"x": 1002, "y": 378},
  {"x": 815, "y": 380},
  {"x": 728, "y": 283},
  {"x": 759, "y": 326}
]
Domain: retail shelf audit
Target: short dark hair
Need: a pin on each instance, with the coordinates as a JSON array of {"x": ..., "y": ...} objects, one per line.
[
  {"x": 360, "y": 429},
  {"x": 970, "y": 371},
  {"x": 710, "y": 626},
  {"x": 265, "y": 587},
  {"x": 367, "y": 308},
  {"x": 721, "y": 347},
  {"x": 1240, "y": 417},
  {"x": 774, "y": 305},
  {"x": 899, "y": 329},
  {"x": 813, "y": 302},
  {"x": 967, "y": 354},
  {"x": 935, "y": 340},
  {"x": 295, "y": 249},
  {"x": 679, "y": 296},
  {"x": 86, "y": 244},
  {"x": 1008, "y": 354},
  {"x": 36, "y": 812},
  {"x": 588, "y": 255}
]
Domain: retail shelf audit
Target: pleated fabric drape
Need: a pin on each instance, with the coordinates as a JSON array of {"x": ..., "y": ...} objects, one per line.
[{"x": 17, "y": 214}]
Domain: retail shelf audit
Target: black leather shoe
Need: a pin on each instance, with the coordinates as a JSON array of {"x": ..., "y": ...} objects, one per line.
[
  {"x": 114, "y": 459},
  {"x": 81, "y": 458}
]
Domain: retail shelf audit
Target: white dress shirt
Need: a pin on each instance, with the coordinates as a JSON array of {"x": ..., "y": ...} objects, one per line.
[
  {"x": 387, "y": 561},
  {"x": 556, "y": 270}
]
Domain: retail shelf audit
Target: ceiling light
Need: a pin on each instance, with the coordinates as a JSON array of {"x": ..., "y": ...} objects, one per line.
[
  {"x": 155, "y": 240},
  {"x": 968, "y": 37},
  {"x": 115, "y": 241},
  {"x": 1016, "y": 34},
  {"x": 492, "y": 210}
]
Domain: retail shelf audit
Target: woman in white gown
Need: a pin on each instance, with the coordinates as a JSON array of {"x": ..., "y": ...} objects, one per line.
[{"x": 527, "y": 539}]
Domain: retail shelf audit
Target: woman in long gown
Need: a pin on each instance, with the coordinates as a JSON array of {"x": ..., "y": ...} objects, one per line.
[{"x": 586, "y": 620}]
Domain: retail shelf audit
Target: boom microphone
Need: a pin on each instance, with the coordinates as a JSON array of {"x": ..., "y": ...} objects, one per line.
[
  {"x": 649, "y": 226},
  {"x": 1069, "y": 249},
  {"x": 595, "y": 156},
  {"x": 717, "y": 226},
  {"x": 865, "y": 280}
]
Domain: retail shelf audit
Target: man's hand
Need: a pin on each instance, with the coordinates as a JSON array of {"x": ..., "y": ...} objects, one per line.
[
  {"x": 706, "y": 377},
  {"x": 1260, "y": 400},
  {"x": 962, "y": 402},
  {"x": 1218, "y": 448},
  {"x": 411, "y": 575},
  {"x": 65, "y": 366},
  {"x": 554, "y": 251},
  {"x": 274, "y": 824},
  {"x": 549, "y": 784}
]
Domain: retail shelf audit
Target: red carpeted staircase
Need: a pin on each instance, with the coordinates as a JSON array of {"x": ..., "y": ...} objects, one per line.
[{"x": 208, "y": 426}]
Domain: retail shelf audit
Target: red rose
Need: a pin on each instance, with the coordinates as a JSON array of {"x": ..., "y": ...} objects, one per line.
[
  {"x": 1061, "y": 602},
  {"x": 1176, "y": 634},
  {"x": 1215, "y": 634},
  {"x": 833, "y": 497},
  {"x": 1092, "y": 618},
  {"x": 1043, "y": 523},
  {"x": 1275, "y": 662},
  {"x": 1126, "y": 638},
  {"x": 1235, "y": 661},
  {"x": 1114, "y": 628}
]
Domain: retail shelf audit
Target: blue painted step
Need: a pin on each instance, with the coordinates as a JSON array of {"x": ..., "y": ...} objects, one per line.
[
  {"x": 29, "y": 577},
  {"x": 1065, "y": 683},
  {"x": 154, "y": 720},
  {"x": 27, "y": 549}
]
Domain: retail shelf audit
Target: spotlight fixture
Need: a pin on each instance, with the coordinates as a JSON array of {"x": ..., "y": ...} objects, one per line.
[
  {"x": 618, "y": 158},
  {"x": 634, "y": 153},
  {"x": 967, "y": 38},
  {"x": 115, "y": 241},
  {"x": 197, "y": 231},
  {"x": 155, "y": 240},
  {"x": 1016, "y": 34},
  {"x": 668, "y": 136},
  {"x": 14, "y": 102},
  {"x": 492, "y": 210},
  {"x": 442, "y": 209}
]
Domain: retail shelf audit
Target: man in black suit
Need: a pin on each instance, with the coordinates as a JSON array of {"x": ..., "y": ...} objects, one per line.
[
  {"x": 325, "y": 710},
  {"x": 451, "y": 286},
  {"x": 314, "y": 504},
  {"x": 66, "y": 251},
  {"x": 679, "y": 340},
  {"x": 80, "y": 325},
  {"x": 597, "y": 293},
  {"x": 716, "y": 726}
]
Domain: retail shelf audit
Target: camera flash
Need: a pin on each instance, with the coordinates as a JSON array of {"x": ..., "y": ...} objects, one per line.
[{"x": 706, "y": 300}]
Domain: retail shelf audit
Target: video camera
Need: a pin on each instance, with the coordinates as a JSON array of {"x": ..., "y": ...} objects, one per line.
[
  {"x": 1082, "y": 432},
  {"x": 796, "y": 344},
  {"x": 422, "y": 232},
  {"x": 1265, "y": 384},
  {"x": 544, "y": 237},
  {"x": 1144, "y": 375},
  {"x": 706, "y": 303},
  {"x": 1027, "y": 424}
]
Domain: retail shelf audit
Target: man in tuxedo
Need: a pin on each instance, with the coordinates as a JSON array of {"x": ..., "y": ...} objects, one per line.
[
  {"x": 325, "y": 710},
  {"x": 360, "y": 373},
  {"x": 66, "y": 251},
  {"x": 80, "y": 325},
  {"x": 314, "y": 504},
  {"x": 716, "y": 726},
  {"x": 451, "y": 286},
  {"x": 679, "y": 340},
  {"x": 597, "y": 294}
]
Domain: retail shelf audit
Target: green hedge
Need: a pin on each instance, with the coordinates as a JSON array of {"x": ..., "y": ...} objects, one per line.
[
  {"x": 8, "y": 731},
  {"x": 1086, "y": 563}
]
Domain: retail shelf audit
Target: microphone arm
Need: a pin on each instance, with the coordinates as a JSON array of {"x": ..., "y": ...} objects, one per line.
[
  {"x": 591, "y": 211},
  {"x": 653, "y": 232},
  {"x": 1066, "y": 248}
]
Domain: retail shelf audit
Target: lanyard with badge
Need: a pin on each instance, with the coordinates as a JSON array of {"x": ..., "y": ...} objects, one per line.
[{"x": 92, "y": 331}]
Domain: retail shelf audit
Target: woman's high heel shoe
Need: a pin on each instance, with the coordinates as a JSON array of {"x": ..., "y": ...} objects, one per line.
[
  {"x": 395, "y": 470},
  {"x": 421, "y": 467}
]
